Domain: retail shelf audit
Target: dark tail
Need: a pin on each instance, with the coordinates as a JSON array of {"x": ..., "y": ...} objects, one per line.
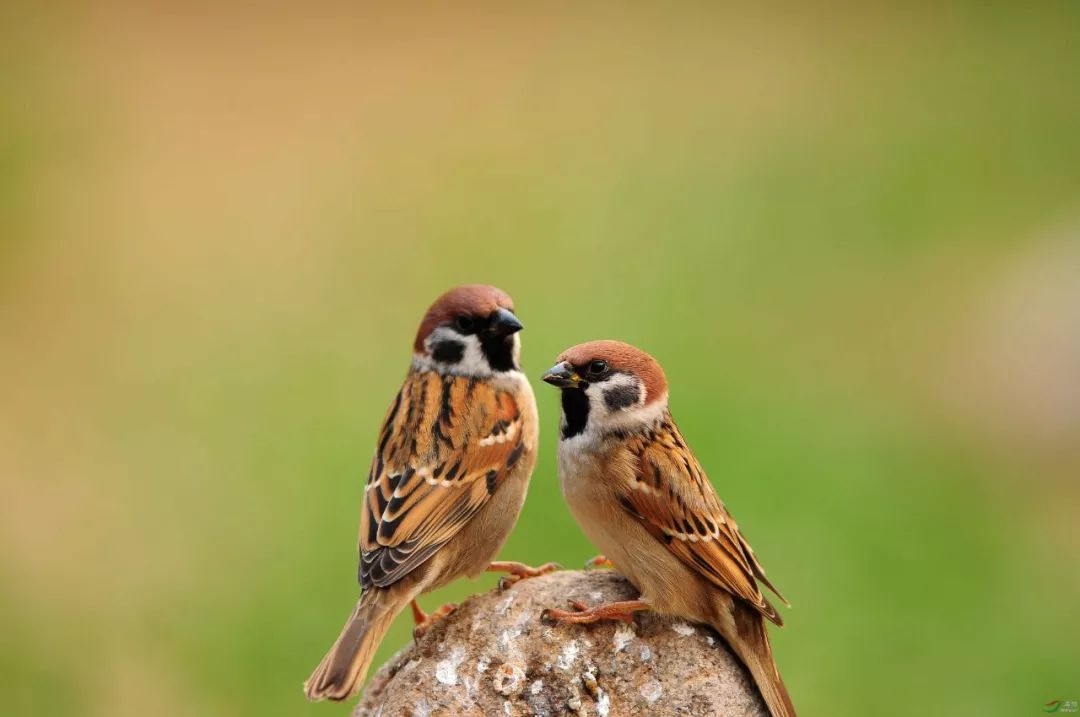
[
  {"x": 341, "y": 673},
  {"x": 751, "y": 644}
]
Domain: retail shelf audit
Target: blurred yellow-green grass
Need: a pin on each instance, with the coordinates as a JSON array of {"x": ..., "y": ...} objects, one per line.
[{"x": 851, "y": 235}]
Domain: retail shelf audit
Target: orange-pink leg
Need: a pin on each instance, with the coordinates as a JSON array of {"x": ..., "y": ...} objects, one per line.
[
  {"x": 583, "y": 614},
  {"x": 518, "y": 571},
  {"x": 424, "y": 622},
  {"x": 598, "y": 561},
  {"x": 418, "y": 615}
]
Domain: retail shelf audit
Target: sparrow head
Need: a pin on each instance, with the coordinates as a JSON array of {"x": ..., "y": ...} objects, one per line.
[
  {"x": 608, "y": 386},
  {"x": 470, "y": 330}
]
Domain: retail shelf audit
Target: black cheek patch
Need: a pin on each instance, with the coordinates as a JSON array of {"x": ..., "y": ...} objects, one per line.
[
  {"x": 621, "y": 397},
  {"x": 448, "y": 351}
]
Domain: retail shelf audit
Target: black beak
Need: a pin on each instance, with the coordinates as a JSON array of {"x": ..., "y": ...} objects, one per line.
[
  {"x": 504, "y": 323},
  {"x": 562, "y": 375}
]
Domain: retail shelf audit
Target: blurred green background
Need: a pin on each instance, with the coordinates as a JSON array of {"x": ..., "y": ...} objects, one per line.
[{"x": 852, "y": 237}]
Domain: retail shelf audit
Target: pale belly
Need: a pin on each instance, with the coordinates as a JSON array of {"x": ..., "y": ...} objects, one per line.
[
  {"x": 664, "y": 581},
  {"x": 601, "y": 517}
]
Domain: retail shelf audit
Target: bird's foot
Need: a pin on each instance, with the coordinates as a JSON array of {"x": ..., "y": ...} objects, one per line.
[
  {"x": 425, "y": 621},
  {"x": 518, "y": 571},
  {"x": 582, "y": 614},
  {"x": 598, "y": 561}
]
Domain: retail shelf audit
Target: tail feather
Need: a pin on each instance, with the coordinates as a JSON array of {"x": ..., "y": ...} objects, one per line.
[
  {"x": 341, "y": 673},
  {"x": 751, "y": 644}
]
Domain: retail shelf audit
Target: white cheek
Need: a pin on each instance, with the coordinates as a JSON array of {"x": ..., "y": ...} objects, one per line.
[
  {"x": 472, "y": 363},
  {"x": 603, "y": 420},
  {"x": 598, "y": 407},
  {"x": 516, "y": 351}
]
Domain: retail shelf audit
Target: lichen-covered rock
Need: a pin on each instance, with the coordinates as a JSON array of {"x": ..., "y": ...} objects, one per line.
[{"x": 494, "y": 656}]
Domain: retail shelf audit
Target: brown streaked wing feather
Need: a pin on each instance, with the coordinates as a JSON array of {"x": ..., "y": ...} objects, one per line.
[
  {"x": 674, "y": 499},
  {"x": 446, "y": 445}
]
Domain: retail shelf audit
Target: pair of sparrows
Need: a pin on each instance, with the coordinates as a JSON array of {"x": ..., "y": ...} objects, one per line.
[{"x": 452, "y": 466}]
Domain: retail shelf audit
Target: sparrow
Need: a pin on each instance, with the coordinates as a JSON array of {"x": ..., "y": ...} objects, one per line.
[
  {"x": 641, "y": 496},
  {"x": 449, "y": 475}
]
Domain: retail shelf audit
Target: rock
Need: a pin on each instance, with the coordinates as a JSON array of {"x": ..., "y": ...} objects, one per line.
[{"x": 494, "y": 656}]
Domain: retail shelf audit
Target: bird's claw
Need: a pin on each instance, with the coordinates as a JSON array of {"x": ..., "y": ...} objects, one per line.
[
  {"x": 556, "y": 615},
  {"x": 516, "y": 572},
  {"x": 431, "y": 619},
  {"x": 582, "y": 614},
  {"x": 598, "y": 561}
]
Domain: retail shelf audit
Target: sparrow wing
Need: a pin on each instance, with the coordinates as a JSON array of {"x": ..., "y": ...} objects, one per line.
[
  {"x": 670, "y": 494},
  {"x": 446, "y": 445}
]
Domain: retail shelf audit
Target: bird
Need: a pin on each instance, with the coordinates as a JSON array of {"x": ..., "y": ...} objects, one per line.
[
  {"x": 640, "y": 495},
  {"x": 448, "y": 479}
]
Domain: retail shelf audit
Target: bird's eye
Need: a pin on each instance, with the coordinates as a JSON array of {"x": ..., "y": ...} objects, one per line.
[
  {"x": 464, "y": 324},
  {"x": 597, "y": 367}
]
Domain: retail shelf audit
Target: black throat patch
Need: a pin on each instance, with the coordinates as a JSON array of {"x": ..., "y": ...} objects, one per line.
[
  {"x": 575, "y": 406},
  {"x": 499, "y": 351}
]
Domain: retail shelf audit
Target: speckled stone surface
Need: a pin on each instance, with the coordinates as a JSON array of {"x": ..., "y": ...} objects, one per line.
[{"x": 494, "y": 656}]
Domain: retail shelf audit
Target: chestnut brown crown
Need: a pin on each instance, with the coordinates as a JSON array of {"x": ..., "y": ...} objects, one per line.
[
  {"x": 623, "y": 358},
  {"x": 467, "y": 300}
]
